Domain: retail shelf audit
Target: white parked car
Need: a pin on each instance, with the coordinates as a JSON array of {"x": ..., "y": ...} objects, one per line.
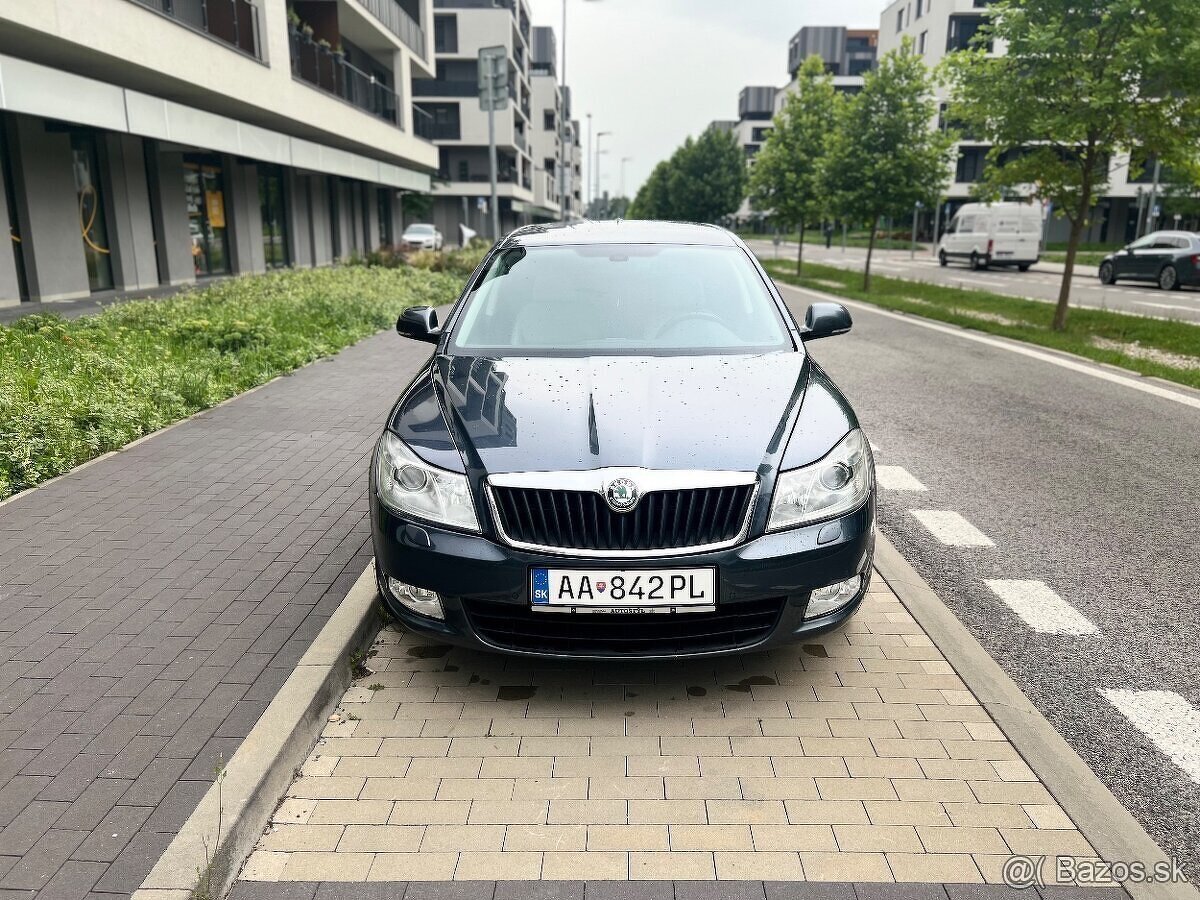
[
  {"x": 421, "y": 237},
  {"x": 994, "y": 234}
]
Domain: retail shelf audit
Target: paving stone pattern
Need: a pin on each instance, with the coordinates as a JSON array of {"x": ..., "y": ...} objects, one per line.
[
  {"x": 151, "y": 605},
  {"x": 859, "y": 756},
  {"x": 654, "y": 890}
]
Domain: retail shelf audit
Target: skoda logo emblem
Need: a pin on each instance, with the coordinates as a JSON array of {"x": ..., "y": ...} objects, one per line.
[{"x": 622, "y": 495}]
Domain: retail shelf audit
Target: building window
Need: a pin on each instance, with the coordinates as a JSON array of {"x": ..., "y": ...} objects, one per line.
[
  {"x": 274, "y": 216},
  {"x": 900, "y": 20},
  {"x": 204, "y": 188},
  {"x": 962, "y": 31},
  {"x": 548, "y": 120},
  {"x": 464, "y": 170},
  {"x": 92, "y": 225},
  {"x": 922, "y": 42},
  {"x": 445, "y": 34},
  {"x": 971, "y": 162}
]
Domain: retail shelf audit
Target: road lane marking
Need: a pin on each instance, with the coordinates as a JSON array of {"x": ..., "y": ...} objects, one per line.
[
  {"x": 952, "y": 529},
  {"x": 1011, "y": 346},
  {"x": 897, "y": 478},
  {"x": 1171, "y": 723},
  {"x": 1164, "y": 306},
  {"x": 1040, "y": 608}
]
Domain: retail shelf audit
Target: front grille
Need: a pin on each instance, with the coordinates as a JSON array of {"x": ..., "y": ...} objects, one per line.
[
  {"x": 662, "y": 520},
  {"x": 517, "y": 627}
]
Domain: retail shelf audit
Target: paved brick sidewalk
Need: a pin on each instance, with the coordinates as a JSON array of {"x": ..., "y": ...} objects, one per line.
[
  {"x": 857, "y": 757},
  {"x": 151, "y": 605}
]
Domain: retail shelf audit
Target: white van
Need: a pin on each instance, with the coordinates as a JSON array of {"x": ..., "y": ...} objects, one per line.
[{"x": 994, "y": 234}]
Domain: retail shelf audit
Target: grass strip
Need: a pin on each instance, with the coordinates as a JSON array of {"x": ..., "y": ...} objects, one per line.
[
  {"x": 1137, "y": 343},
  {"x": 71, "y": 390}
]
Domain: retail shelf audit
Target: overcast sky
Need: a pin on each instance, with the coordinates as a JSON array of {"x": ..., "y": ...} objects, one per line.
[{"x": 654, "y": 71}]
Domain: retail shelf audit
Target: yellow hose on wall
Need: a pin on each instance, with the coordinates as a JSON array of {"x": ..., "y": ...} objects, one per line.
[{"x": 84, "y": 229}]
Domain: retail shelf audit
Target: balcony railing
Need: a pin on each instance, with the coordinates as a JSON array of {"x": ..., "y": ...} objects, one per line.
[
  {"x": 504, "y": 176},
  {"x": 437, "y": 87},
  {"x": 428, "y": 128},
  {"x": 399, "y": 23},
  {"x": 328, "y": 70},
  {"x": 233, "y": 22}
]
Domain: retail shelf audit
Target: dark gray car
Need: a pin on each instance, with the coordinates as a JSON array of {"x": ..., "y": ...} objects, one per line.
[{"x": 1171, "y": 259}]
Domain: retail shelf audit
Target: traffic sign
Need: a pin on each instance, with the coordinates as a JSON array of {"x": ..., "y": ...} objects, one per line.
[{"x": 493, "y": 78}]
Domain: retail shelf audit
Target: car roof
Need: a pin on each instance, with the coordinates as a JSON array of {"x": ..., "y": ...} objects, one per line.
[{"x": 619, "y": 231}]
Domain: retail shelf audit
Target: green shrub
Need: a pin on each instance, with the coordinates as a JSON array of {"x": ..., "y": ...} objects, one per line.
[{"x": 72, "y": 390}]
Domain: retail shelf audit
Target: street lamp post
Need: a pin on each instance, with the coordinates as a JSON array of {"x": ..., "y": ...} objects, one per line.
[
  {"x": 587, "y": 203},
  {"x": 621, "y": 189},
  {"x": 596, "y": 167},
  {"x": 562, "y": 117}
]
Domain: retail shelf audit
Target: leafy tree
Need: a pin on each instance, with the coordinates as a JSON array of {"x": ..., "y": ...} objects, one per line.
[
  {"x": 652, "y": 200},
  {"x": 884, "y": 155},
  {"x": 703, "y": 181},
  {"x": 786, "y": 175},
  {"x": 708, "y": 177},
  {"x": 1079, "y": 81}
]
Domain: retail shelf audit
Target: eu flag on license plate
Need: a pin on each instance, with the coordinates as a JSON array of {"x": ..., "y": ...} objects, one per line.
[{"x": 541, "y": 587}]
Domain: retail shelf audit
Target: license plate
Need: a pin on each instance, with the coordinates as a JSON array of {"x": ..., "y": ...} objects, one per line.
[{"x": 624, "y": 590}]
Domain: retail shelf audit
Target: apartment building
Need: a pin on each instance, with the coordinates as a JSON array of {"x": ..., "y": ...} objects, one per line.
[
  {"x": 552, "y": 105},
  {"x": 161, "y": 142},
  {"x": 939, "y": 27},
  {"x": 460, "y": 128},
  {"x": 848, "y": 53}
]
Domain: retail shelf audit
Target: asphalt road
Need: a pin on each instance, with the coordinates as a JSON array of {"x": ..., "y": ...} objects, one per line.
[
  {"x": 1042, "y": 282},
  {"x": 1087, "y": 485}
]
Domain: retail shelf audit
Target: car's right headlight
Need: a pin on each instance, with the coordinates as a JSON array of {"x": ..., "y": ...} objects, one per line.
[
  {"x": 411, "y": 486},
  {"x": 829, "y": 487}
]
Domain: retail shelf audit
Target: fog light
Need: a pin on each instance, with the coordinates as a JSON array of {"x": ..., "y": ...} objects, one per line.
[
  {"x": 832, "y": 597},
  {"x": 419, "y": 600}
]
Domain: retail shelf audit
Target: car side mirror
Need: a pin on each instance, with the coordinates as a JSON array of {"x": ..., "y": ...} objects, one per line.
[
  {"x": 825, "y": 320},
  {"x": 419, "y": 323}
]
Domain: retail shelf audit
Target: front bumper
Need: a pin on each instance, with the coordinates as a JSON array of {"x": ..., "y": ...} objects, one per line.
[{"x": 472, "y": 572}]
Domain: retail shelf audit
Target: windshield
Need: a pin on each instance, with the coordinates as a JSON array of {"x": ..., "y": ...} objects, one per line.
[
  {"x": 621, "y": 298},
  {"x": 420, "y": 229}
]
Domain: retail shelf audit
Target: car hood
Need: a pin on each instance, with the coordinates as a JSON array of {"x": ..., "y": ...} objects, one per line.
[{"x": 731, "y": 413}]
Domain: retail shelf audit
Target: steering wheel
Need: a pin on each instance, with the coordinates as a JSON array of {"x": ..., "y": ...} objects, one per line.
[{"x": 683, "y": 317}]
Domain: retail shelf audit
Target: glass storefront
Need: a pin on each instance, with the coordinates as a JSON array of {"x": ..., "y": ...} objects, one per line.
[
  {"x": 204, "y": 187},
  {"x": 14, "y": 226},
  {"x": 386, "y": 237},
  {"x": 274, "y": 216},
  {"x": 92, "y": 226}
]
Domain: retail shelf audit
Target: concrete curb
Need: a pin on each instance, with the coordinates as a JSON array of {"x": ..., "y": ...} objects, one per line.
[
  {"x": 1108, "y": 826},
  {"x": 265, "y": 763}
]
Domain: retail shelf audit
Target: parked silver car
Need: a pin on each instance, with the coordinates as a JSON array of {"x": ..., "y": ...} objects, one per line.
[{"x": 421, "y": 237}]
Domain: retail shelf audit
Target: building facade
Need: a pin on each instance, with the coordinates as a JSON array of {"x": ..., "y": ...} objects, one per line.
[
  {"x": 460, "y": 127},
  {"x": 160, "y": 142},
  {"x": 939, "y": 27}
]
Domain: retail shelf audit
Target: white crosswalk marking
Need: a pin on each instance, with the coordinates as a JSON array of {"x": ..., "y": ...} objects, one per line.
[
  {"x": 897, "y": 478},
  {"x": 951, "y": 528},
  {"x": 1171, "y": 723},
  {"x": 1041, "y": 608}
]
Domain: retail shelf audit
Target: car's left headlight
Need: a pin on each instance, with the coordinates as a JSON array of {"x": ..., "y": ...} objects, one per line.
[
  {"x": 411, "y": 486},
  {"x": 829, "y": 487}
]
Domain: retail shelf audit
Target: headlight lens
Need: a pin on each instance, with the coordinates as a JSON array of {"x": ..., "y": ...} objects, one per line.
[
  {"x": 409, "y": 485},
  {"x": 830, "y": 487}
]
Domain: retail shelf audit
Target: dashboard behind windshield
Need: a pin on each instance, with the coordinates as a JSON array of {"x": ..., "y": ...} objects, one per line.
[{"x": 621, "y": 298}]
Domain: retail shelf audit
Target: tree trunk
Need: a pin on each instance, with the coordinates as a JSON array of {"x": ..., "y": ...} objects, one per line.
[
  {"x": 800, "y": 252},
  {"x": 870, "y": 253},
  {"x": 1076, "y": 236}
]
